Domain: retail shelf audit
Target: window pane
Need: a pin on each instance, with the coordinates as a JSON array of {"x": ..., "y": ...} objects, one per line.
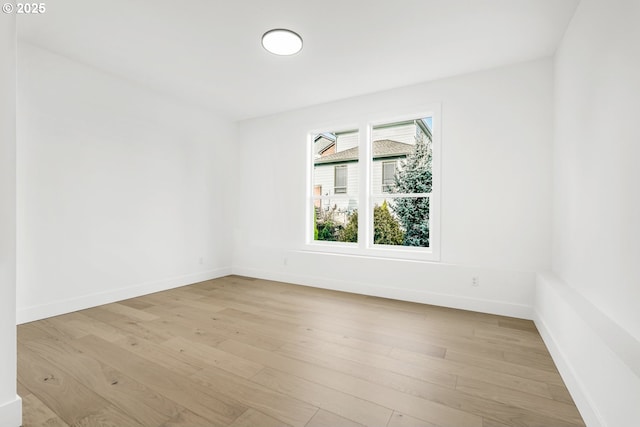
[
  {"x": 402, "y": 157},
  {"x": 402, "y": 221},
  {"x": 388, "y": 176},
  {"x": 335, "y": 163},
  {"x": 336, "y": 220},
  {"x": 340, "y": 179}
]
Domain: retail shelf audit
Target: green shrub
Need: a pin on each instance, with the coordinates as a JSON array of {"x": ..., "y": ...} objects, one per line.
[
  {"x": 386, "y": 229},
  {"x": 350, "y": 231}
]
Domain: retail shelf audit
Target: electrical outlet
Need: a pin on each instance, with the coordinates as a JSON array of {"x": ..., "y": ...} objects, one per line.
[
  {"x": 285, "y": 260},
  {"x": 475, "y": 281},
  {"x": 201, "y": 260}
]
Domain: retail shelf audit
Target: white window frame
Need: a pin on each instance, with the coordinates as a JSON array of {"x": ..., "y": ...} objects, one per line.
[{"x": 367, "y": 197}]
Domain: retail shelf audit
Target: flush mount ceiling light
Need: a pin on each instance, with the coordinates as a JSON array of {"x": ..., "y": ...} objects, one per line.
[{"x": 282, "y": 42}]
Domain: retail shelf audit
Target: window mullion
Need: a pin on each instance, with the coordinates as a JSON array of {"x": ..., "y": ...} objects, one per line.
[{"x": 364, "y": 226}]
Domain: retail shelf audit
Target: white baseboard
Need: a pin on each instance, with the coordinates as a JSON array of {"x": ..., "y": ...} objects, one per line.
[
  {"x": 569, "y": 376},
  {"x": 420, "y": 296},
  {"x": 11, "y": 413},
  {"x": 597, "y": 358},
  {"x": 55, "y": 308}
]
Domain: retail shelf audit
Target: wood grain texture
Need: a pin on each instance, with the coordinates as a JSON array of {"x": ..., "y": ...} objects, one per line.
[
  {"x": 36, "y": 413},
  {"x": 243, "y": 352}
]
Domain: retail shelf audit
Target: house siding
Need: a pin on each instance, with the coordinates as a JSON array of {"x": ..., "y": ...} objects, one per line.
[
  {"x": 405, "y": 133},
  {"x": 345, "y": 141}
]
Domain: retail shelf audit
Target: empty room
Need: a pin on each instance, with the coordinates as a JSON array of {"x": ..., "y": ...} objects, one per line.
[{"x": 287, "y": 213}]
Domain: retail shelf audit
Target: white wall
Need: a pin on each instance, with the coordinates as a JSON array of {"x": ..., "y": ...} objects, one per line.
[
  {"x": 10, "y": 404},
  {"x": 496, "y": 193},
  {"x": 596, "y": 214},
  {"x": 121, "y": 191}
]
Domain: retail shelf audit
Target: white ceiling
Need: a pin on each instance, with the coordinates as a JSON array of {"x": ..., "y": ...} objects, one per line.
[{"x": 208, "y": 52}]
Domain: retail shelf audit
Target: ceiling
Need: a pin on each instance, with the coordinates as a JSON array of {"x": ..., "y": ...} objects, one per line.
[{"x": 208, "y": 52}]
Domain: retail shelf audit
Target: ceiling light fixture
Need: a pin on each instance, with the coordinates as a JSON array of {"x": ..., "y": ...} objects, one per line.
[{"x": 282, "y": 42}]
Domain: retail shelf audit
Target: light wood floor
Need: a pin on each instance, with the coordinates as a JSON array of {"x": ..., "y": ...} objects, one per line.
[{"x": 253, "y": 353}]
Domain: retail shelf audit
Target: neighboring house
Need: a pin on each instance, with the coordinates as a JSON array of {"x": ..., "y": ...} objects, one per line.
[
  {"x": 324, "y": 142},
  {"x": 336, "y": 157}
]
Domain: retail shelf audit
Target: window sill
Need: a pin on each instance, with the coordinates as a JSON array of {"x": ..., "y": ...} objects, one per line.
[{"x": 377, "y": 251}]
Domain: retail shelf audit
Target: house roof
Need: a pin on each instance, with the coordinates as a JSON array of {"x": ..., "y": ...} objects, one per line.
[
  {"x": 327, "y": 147},
  {"x": 381, "y": 149}
]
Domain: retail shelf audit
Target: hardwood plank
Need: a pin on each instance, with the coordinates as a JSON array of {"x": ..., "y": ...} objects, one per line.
[
  {"x": 305, "y": 326},
  {"x": 177, "y": 326},
  {"x": 372, "y": 302},
  {"x": 383, "y": 396},
  {"x": 324, "y": 418},
  {"x": 56, "y": 327},
  {"x": 37, "y": 414},
  {"x": 50, "y": 383},
  {"x": 508, "y": 381},
  {"x": 212, "y": 325},
  {"x": 531, "y": 359},
  {"x": 345, "y": 306},
  {"x": 343, "y": 312},
  {"x": 31, "y": 332},
  {"x": 403, "y": 420},
  {"x": 137, "y": 303},
  {"x": 560, "y": 393},
  {"x": 80, "y": 325},
  {"x": 129, "y": 396},
  {"x": 253, "y": 418},
  {"x": 521, "y": 324},
  {"x": 389, "y": 337},
  {"x": 187, "y": 418},
  {"x": 342, "y": 404},
  {"x": 107, "y": 417},
  {"x": 382, "y": 374},
  {"x": 126, "y": 324},
  {"x": 500, "y": 365},
  {"x": 131, "y": 313},
  {"x": 22, "y": 390},
  {"x": 213, "y": 357},
  {"x": 528, "y": 340},
  {"x": 309, "y": 334},
  {"x": 182, "y": 299},
  {"x": 486, "y": 422},
  {"x": 287, "y": 409},
  {"x": 547, "y": 407},
  {"x": 204, "y": 401},
  {"x": 178, "y": 363},
  {"x": 431, "y": 391}
]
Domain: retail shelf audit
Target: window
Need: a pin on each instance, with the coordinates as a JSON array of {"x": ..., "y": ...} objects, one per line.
[
  {"x": 340, "y": 180},
  {"x": 400, "y": 216},
  {"x": 388, "y": 176},
  {"x": 396, "y": 212},
  {"x": 335, "y": 169}
]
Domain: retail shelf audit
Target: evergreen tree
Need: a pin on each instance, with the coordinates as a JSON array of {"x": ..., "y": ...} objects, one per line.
[
  {"x": 414, "y": 176},
  {"x": 386, "y": 230}
]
